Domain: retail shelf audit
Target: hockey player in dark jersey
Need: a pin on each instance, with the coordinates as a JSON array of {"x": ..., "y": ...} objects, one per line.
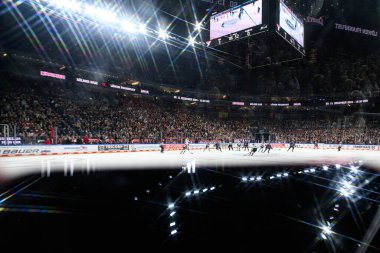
[
  {"x": 268, "y": 147},
  {"x": 292, "y": 145},
  {"x": 162, "y": 147},
  {"x": 316, "y": 145},
  {"x": 230, "y": 146},
  {"x": 207, "y": 147},
  {"x": 218, "y": 146},
  {"x": 339, "y": 146},
  {"x": 245, "y": 147}
]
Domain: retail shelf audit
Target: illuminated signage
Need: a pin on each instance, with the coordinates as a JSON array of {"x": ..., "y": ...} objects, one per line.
[
  {"x": 80, "y": 80},
  {"x": 192, "y": 99},
  {"x": 53, "y": 75},
  {"x": 238, "y": 103}
]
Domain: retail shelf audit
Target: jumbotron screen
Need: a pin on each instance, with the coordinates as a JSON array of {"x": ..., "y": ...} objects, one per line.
[
  {"x": 236, "y": 19},
  {"x": 291, "y": 24}
]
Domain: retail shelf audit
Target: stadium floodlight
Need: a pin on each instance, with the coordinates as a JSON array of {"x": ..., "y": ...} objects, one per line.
[
  {"x": 286, "y": 174},
  {"x": 258, "y": 179},
  {"x": 326, "y": 230},
  {"x": 172, "y": 224},
  {"x": 163, "y": 34},
  {"x": 187, "y": 193},
  {"x": 323, "y": 236},
  {"x": 196, "y": 191},
  {"x": 306, "y": 171},
  {"x": 101, "y": 14},
  {"x": 312, "y": 170},
  {"x": 244, "y": 179},
  {"x": 173, "y": 232},
  {"x": 338, "y": 166},
  {"x": 198, "y": 26},
  {"x": 325, "y": 168},
  {"x": 171, "y": 205},
  {"x": 128, "y": 26},
  {"x": 191, "y": 41},
  {"x": 279, "y": 175},
  {"x": 344, "y": 192},
  {"x": 271, "y": 177},
  {"x": 172, "y": 213},
  {"x": 252, "y": 179}
]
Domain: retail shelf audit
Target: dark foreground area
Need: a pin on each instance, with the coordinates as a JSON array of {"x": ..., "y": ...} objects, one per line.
[{"x": 240, "y": 210}]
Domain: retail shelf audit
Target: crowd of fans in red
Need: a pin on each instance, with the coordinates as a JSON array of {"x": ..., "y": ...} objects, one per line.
[{"x": 64, "y": 116}]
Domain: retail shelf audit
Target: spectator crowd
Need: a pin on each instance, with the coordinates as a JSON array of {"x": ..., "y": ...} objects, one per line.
[{"x": 67, "y": 116}]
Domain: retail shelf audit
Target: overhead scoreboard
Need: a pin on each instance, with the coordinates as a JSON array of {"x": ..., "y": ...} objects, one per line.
[
  {"x": 290, "y": 27},
  {"x": 254, "y": 17},
  {"x": 238, "y": 22}
]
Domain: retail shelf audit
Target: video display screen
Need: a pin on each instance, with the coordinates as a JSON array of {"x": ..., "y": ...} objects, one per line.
[
  {"x": 292, "y": 25},
  {"x": 236, "y": 19}
]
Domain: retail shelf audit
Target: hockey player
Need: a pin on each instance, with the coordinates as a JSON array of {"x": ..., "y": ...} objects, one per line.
[
  {"x": 339, "y": 146},
  {"x": 162, "y": 147},
  {"x": 218, "y": 146},
  {"x": 186, "y": 147},
  {"x": 230, "y": 147},
  {"x": 245, "y": 147},
  {"x": 253, "y": 150},
  {"x": 207, "y": 147},
  {"x": 292, "y": 145},
  {"x": 268, "y": 147},
  {"x": 316, "y": 145}
]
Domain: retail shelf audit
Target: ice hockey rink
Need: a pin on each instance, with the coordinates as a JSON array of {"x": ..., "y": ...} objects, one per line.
[{"x": 13, "y": 167}]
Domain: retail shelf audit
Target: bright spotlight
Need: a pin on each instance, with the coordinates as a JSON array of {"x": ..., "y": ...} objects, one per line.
[
  {"x": 101, "y": 14},
  {"x": 198, "y": 26},
  {"x": 258, "y": 179},
  {"x": 326, "y": 230},
  {"x": 172, "y": 224},
  {"x": 212, "y": 188},
  {"x": 196, "y": 191},
  {"x": 325, "y": 168},
  {"x": 163, "y": 34},
  {"x": 286, "y": 174},
  {"x": 187, "y": 193},
  {"x": 128, "y": 26},
  {"x": 344, "y": 192},
  {"x": 251, "y": 179},
  {"x": 306, "y": 171},
  {"x": 244, "y": 179},
  {"x": 271, "y": 177},
  {"x": 173, "y": 232},
  {"x": 68, "y": 5},
  {"x": 323, "y": 236},
  {"x": 191, "y": 41},
  {"x": 337, "y": 166},
  {"x": 171, "y": 206},
  {"x": 172, "y": 213},
  {"x": 279, "y": 175},
  {"x": 205, "y": 190},
  {"x": 312, "y": 170}
]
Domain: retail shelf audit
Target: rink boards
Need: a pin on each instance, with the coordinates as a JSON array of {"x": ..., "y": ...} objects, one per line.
[{"x": 32, "y": 150}]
